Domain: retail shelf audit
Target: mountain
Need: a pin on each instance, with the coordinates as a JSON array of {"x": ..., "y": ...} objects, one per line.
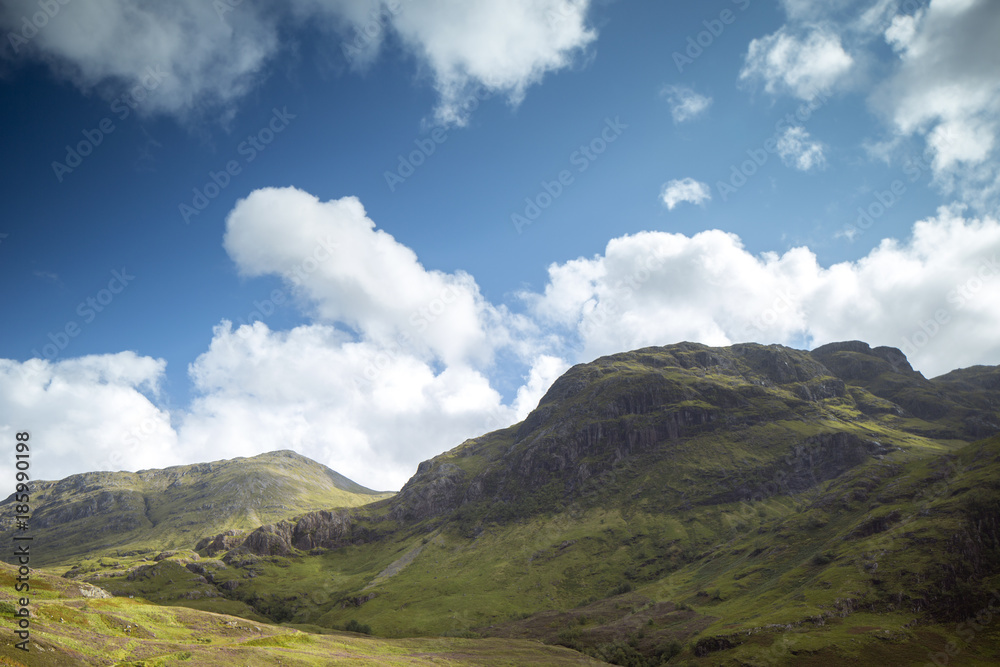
[
  {"x": 742, "y": 505},
  {"x": 175, "y": 507}
]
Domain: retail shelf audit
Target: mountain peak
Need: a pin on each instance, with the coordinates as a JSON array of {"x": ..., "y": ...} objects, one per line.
[{"x": 175, "y": 507}]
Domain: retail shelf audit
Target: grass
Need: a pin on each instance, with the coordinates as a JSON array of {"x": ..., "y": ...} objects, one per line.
[
  {"x": 82, "y": 631},
  {"x": 124, "y": 514},
  {"x": 681, "y": 504}
]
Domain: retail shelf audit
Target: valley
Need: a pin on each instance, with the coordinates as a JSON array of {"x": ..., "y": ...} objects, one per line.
[{"x": 748, "y": 505}]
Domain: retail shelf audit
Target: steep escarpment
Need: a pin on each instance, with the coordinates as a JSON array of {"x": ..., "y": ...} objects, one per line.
[
  {"x": 963, "y": 403},
  {"x": 650, "y": 405},
  {"x": 690, "y": 424},
  {"x": 322, "y": 529},
  {"x": 744, "y": 504}
]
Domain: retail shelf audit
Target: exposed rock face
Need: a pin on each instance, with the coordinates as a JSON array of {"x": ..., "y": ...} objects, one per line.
[
  {"x": 327, "y": 530},
  {"x": 221, "y": 542},
  {"x": 601, "y": 415},
  {"x": 125, "y": 509},
  {"x": 176, "y": 507},
  {"x": 864, "y": 362},
  {"x": 817, "y": 459},
  {"x": 550, "y": 452},
  {"x": 435, "y": 489},
  {"x": 969, "y": 396},
  {"x": 91, "y": 591},
  {"x": 321, "y": 529}
]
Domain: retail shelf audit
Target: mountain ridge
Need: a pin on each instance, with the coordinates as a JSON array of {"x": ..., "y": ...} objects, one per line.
[
  {"x": 751, "y": 504},
  {"x": 175, "y": 507}
]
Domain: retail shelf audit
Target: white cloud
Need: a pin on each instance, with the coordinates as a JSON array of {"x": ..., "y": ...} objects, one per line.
[
  {"x": 941, "y": 85},
  {"x": 806, "y": 67},
  {"x": 372, "y": 407},
  {"x": 685, "y": 190},
  {"x": 87, "y": 413},
  {"x": 797, "y": 149},
  {"x": 504, "y": 45},
  {"x": 356, "y": 275},
  {"x": 544, "y": 372},
  {"x": 393, "y": 371},
  {"x": 655, "y": 288},
  {"x": 212, "y": 58},
  {"x": 110, "y": 45},
  {"x": 685, "y": 104},
  {"x": 901, "y": 31},
  {"x": 370, "y": 412},
  {"x": 946, "y": 89}
]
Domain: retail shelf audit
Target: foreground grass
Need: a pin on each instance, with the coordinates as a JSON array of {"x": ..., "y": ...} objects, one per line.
[{"x": 121, "y": 631}]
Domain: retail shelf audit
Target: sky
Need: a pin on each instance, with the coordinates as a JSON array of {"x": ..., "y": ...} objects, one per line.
[{"x": 368, "y": 230}]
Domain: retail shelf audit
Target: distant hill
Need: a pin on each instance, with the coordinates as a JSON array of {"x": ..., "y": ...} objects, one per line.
[
  {"x": 682, "y": 504},
  {"x": 176, "y": 507}
]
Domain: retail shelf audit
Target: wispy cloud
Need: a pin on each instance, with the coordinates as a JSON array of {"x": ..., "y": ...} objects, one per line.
[
  {"x": 685, "y": 104},
  {"x": 684, "y": 190},
  {"x": 798, "y": 150}
]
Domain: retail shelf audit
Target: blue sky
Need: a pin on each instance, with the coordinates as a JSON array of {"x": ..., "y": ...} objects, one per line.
[{"x": 715, "y": 159}]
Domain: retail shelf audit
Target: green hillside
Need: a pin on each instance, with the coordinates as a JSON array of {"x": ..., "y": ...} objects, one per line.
[
  {"x": 157, "y": 510},
  {"x": 78, "y": 625},
  {"x": 748, "y": 505}
]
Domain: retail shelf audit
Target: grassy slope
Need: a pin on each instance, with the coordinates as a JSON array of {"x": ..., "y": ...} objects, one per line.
[
  {"x": 155, "y": 510},
  {"x": 864, "y": 564},
  {"x": 69, "y": 629}
]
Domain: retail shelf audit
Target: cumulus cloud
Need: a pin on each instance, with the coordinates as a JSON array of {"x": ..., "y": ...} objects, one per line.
[
  {"x": 946, "y": 90},
  {"x": 504, "y": 45},
  {"x": 806, "y": 67},
  {"x": 87, "y": 413},
  {"x": 685, "y": 104},
  {"x": 544, "y": 372},
  {"x": 940, "y": 86},
  {"x": 370, "y": 412},
  {"x": 655, "y": 288},
  {"x": 111, "y": 46},
  {"x": 798, "y": 150},
  {"x": 686, "y": 189},
  {"x": 349, "y": 391},
  {"x": 361, "y": 277},
  {"x": 212, "y": 54},
  {"x": 392, "y": 371}
]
